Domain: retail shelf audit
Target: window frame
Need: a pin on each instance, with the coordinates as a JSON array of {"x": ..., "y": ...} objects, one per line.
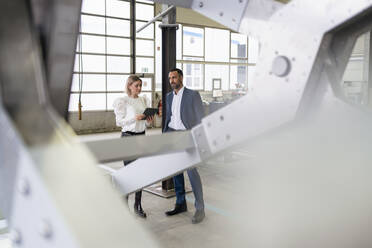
[{"x": 105, "y": 54}]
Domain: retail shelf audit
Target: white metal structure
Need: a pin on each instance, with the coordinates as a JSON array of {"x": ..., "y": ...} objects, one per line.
[{"x": 304, "y": 51}]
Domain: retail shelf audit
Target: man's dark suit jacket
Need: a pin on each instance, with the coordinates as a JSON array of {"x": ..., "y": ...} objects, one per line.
[{"x": 191, "y": 109}]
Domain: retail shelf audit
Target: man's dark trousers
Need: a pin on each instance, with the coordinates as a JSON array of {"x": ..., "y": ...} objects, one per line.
[{"x": 196, "y": 185}]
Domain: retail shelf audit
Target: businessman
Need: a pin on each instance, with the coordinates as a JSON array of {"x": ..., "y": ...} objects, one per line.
[{"x": 184, "y": 111}]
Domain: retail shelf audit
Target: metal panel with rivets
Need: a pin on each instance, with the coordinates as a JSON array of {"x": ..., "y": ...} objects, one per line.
[
  {"x": 290, "y": 56},
  {"x": 303, "y": 53},
  {"x": 51, "y": 191}
]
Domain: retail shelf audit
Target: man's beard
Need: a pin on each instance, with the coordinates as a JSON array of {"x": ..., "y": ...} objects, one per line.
[{"x": 175, "y": 86}]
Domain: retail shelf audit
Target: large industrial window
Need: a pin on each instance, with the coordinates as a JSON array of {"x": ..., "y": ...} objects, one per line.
[
  {"x": 103, "y": 55},
  {"x": 209, "y": 55},
  {"x": 355, "y": 83}
]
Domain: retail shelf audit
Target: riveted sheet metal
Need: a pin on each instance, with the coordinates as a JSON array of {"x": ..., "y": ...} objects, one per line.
[
  {"x": 140, "y": 146},
  {"x": 274, "y": 100},
  {"x": 160, "y": 166},
  {"x": 201, "y": 141},
  {"x": 24, "y": 198},
  {"x": 229, "y": 14}
]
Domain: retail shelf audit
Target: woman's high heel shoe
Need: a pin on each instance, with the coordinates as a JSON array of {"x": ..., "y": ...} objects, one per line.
[{"x": 139, "y": 211}]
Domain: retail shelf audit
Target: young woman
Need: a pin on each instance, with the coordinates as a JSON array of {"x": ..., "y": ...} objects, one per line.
[{"x": 129, "y": 116}]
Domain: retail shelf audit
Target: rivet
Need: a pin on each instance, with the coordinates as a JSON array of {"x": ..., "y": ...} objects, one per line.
[
  {"x": 233, "y": 20},
  {"x": 24, "y": 187},
  {"x": 227, "y": 136},
  {"x": 16, "y": 237},
  {"x": 201, "y": 5},
  {"x": 222, "y": 118},
  {"x": 221, "y": 13},
  {"x": 281, "y": 66},
  {"x": 240, "y": 1},
  {"x": 45, "y": 229},
  {"x": 209, "y": 124}
]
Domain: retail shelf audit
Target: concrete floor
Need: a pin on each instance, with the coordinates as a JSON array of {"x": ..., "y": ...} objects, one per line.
[
  {"x": 220, "y": 227},
  {"x": 217, "y": 229},
  {"x": 294, "y": 188}
]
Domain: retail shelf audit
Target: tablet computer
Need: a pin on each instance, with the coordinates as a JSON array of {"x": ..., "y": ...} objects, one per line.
[{"x": 150, "y": 112}]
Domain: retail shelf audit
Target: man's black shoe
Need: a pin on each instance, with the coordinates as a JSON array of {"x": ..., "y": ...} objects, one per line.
[{"x": 179, "y": 208}]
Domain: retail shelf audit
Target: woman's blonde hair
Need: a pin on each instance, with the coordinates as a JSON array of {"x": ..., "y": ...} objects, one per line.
[{"x": 131, "y": 79}]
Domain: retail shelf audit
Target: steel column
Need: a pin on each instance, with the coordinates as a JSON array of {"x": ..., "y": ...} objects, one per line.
[
  {"x": 133, "y": 36},
  {"x": 168, "y": 62}
]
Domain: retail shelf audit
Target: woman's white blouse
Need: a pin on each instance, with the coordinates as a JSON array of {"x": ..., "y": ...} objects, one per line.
[{"x": 126, "y": 108}]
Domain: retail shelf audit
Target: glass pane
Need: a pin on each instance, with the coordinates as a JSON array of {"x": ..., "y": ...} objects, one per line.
[
  {"x": 238, "y": 77},
  {"x": 355, "y": 79},
  {"x": 95, "y": 101},
  {"x": 111, "y": 97},
  {"x": 93, "y": 7},
  {"x": 116, "y": 82},
  {"x": 92, "y": 44},
  {"x": 354, "y": 70},
  {"x": 193, "y": 58},
  {"x": 91, "y": 63},
  {"x": 253, "y": 50},
  {"x": 118, "y": 27},
  {"x": 245, "y": 61},
  {"x": 144, "y": 1},
  {"x": 76, "y": 63},
  {"x": 216, "y": 72},
  {"x": 92, "y": 24},
  {"x": 158, "y": 86},
  {"x": 178, "y": 42},
  {"x": 144, "y": 12},
  {"x": 146, "y": 84},
  {"x": 193, "y": 76},
  {"x": 118, "y": 8},
  {"x": 145, "y": 47},
  {"x": 148, "y": 32},
  {"x": 158, "y": 56},
  {"x": 238, "y": 45},
  {"x": 90, "y": 82},
  {"x": 118, "y": 46},
  {"x": 118, "y": 64},
  {"x": 217, "y": 44},
  {"x": 193, "y": 41},
  {"x": 144, "y": 65}
]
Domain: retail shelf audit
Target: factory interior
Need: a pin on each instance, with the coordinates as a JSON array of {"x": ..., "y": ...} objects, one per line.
[{"x": 283, "y": 148}]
